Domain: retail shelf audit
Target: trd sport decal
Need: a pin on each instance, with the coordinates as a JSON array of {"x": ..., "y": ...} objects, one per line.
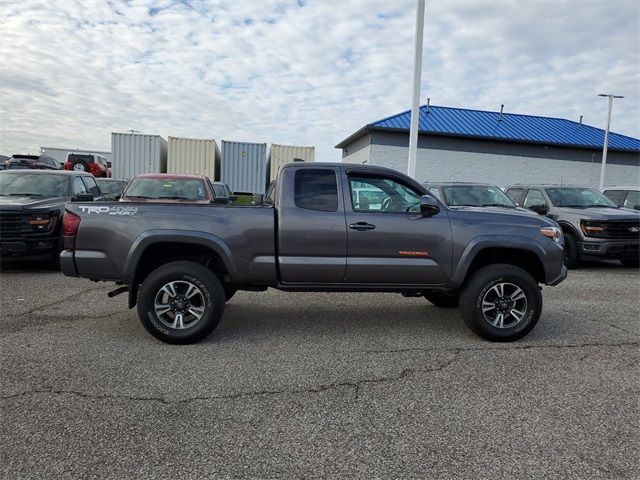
[
  {"x": 413, "y": 253},
  {"x": 100, "y": 210}
]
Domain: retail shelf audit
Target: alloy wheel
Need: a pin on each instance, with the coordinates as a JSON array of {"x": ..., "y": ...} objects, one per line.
[
  {"x": 179, "y": 304},
  {"x": 504, "y": 305}
]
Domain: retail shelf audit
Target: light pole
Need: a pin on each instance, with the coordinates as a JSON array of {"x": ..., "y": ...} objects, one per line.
[
  {"x": 415, "y": 104},
  {"x": 606, "y": 137}
]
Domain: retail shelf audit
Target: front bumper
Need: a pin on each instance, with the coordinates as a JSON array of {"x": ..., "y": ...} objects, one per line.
[
  {"x": 25, "y": 247},
  {"x": 613, "y": 249}
]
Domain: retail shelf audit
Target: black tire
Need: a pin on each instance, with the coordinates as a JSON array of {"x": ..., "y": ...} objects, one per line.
[
  {"x": 229, "y": 291},
  {"x": 81, "y": 166},
  {"x": 571, "y": 254},
  {"x": 443, "y": 299},
  {"x": 630, "y": 262},
  {"x": 483, "y": 284},
  {"x": 211, "y": 298}
]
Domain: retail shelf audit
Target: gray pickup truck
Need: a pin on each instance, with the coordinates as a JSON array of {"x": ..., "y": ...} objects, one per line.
[{"x": 181, "y": 263}]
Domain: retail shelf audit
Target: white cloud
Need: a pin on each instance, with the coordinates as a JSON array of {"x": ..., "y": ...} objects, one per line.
[{"x": 73, "y": 71}]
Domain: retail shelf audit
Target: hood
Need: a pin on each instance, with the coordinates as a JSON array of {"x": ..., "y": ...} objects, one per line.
[
  {"x": 509, "y": 211},
  {"x": 599, "y": 213},
  {"x": 26, "y": 203}
]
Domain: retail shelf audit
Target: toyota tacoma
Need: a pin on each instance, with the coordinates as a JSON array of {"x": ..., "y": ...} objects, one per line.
[{"x": 181, "y": 263}]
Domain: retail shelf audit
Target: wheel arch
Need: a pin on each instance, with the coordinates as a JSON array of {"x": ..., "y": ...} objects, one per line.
[
  {"x": 158, "y": 247},
  {"x": 521, "y": 252}
]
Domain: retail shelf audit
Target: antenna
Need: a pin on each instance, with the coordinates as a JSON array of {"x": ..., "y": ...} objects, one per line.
[
  {"x": 581, "y": 119},
  {"x": 501, "y": 108},
  {"x": 428, "y": 102}
]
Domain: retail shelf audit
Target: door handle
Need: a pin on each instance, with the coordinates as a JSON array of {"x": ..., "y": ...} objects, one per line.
[{"x": 362, "y": 226}]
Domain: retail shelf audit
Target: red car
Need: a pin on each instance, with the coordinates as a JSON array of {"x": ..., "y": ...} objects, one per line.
[
  {"x": 168, "y": 188},
  {"x": 88, "y": 162}
]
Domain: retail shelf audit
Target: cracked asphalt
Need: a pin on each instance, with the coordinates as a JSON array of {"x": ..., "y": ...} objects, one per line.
[{"x": 319, "y": 386}]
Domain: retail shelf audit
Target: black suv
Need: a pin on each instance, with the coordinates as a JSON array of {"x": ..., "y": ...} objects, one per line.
[
  {"x": 593, "y": 226},
  {"x": 31, "y": 208}
]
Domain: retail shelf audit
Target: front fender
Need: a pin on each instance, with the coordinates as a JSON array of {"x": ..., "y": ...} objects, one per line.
[{"x": 477, "y": 244}]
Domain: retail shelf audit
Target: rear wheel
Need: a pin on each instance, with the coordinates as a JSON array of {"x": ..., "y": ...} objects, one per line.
[
  {"x": 501, "y": 303},
  {"x": 443, "y": 299},
  {"x": 571, "y": 256},
  {"x": 181, "y": 302}
]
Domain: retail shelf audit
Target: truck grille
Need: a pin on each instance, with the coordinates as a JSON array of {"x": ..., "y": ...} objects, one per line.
[
  {"x": 12, "y": 223},
  {"x": 629, "y": 229}
]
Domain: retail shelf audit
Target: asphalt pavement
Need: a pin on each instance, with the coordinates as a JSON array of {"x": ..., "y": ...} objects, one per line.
[{"x": 312, "y": 385}]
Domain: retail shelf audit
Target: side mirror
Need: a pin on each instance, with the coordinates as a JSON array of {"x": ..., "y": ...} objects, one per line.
[
  {"x": 540, "y": 209},
  {"x": 82, "y": 197},
  {"x": 428, "y": 206}
]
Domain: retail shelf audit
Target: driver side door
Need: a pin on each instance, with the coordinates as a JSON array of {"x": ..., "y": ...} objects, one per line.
[{"x": 389, "y": 241}]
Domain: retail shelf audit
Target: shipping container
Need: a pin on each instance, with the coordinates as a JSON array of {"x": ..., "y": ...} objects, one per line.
[
  {"x": 193, "y": 156},
  {"x": 135, "y": 153},
  {"x": 281, "y": 154},
  {"x": 60, "y": 153},
  {"x": 244, "y": 166}
]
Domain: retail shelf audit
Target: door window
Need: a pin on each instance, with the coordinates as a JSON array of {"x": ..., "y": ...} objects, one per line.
[
  {"x": 92, "y": 186},
  {"x": 616, "y": 196},
  {"x": 436, "y": 192},
  {"x": 534, "y": 198},
  {"x": 78, "y": 186},
  {"x": 316, "y": 189},
  {"x": 515, "y": 194},
  {"x": 380, "y": 194},
  {"x": 633, "y": 200}
]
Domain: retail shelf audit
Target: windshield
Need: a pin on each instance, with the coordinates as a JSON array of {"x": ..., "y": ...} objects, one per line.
[
  {"x": 108, "y": 187},
  {"x": 578, "y": 197},
  {"x": 33, "y": 184},
  {"x": 166, "y": 188},
  {"x": 476, "y": 196}
]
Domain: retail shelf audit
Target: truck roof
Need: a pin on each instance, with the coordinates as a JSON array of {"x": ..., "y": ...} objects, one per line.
[
  {"x": 354, "y": 166},
  {"x": 170, "y": 175}
]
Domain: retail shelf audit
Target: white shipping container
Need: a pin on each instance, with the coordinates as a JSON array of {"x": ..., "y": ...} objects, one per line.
[
  {"x": 135, "y": 153},
  {"x": 193, "y": 156},
  {"x": 281, "y": 154},
  {"x": 244, "y": 166}
]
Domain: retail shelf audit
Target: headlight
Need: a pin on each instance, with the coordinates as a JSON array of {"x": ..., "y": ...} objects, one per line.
[
  {"x": 591, "y": 228},
  {"x": 40, "y": 221},
  {"x": 554, "y": 233}
]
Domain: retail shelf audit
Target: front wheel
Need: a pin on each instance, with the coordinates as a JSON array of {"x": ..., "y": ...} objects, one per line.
[
  {"x": 501, "y": 303},
  {"x": 181, "y": 302},
  {"x": 571, "y": 255}
]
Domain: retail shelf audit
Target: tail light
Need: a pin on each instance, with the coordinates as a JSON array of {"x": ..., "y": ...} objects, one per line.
[
  {"x": 67, "y": 166},
  {"x": 70, "y": 224}
]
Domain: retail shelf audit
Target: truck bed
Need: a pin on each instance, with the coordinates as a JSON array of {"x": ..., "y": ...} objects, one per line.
[{"x": 244, "y": 236}]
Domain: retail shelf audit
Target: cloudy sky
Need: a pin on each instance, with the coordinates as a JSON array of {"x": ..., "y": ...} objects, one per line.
[{"x": 306, "y": 72}]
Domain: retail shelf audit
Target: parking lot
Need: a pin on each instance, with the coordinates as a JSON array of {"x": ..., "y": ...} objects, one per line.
[{"x": 318, "y": 385}]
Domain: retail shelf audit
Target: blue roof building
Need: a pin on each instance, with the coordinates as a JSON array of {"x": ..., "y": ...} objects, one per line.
[{"x": 457, "y": 144}]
